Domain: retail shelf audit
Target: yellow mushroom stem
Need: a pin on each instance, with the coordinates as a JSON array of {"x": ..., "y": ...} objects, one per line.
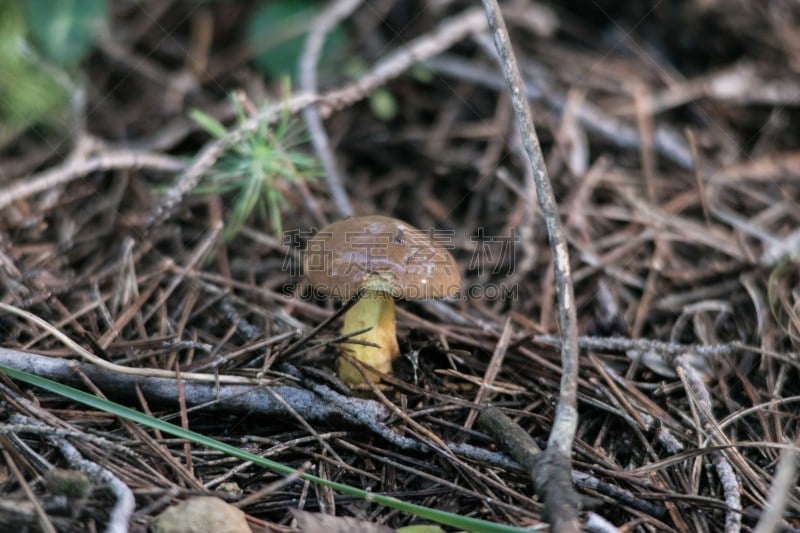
[{"x": 375, "y": 310}]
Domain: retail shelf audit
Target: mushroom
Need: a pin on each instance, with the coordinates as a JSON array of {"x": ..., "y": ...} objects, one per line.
[{"x": 381, "y": 259}]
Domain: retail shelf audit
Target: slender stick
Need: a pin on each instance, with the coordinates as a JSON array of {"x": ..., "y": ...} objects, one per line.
[
  {"x": 327, "y": 19},
  {"x": 553, "y": 476}
]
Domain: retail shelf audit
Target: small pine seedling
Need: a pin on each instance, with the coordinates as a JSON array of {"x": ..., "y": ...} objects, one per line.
[{"x": 259, "y": 168}]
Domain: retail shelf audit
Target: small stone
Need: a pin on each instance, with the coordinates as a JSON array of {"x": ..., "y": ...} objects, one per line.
[{"x": 203, "y": 514}]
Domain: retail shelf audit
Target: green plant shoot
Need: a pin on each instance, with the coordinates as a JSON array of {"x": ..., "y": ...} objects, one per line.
[{"x": 259, "y": 170}]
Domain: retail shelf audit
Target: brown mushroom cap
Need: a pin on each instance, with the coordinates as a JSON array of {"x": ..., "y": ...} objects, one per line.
[{"x": 379, "y": 254}]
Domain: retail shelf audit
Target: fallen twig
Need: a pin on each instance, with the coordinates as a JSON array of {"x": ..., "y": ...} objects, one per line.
[
  {"x": 697, "y": 392},
  {"x": 219, "y": 396},
  {"x": 79, "y": 165},
  {"x": 553, "y": 477},
  {"x": 120, "y": 514},
  {"x": 319, "y": 28},
  {"x": 527, "y": 453},
  {"x": 321, "y": 403}
]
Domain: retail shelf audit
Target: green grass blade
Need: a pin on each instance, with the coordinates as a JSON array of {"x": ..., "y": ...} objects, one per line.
[{"x": 441, "y": 517}]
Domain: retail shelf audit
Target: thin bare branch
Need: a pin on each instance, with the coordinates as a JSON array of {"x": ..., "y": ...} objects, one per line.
[
  {"x": 322, "y": 24},
  {"x": 554, "y": 480}
]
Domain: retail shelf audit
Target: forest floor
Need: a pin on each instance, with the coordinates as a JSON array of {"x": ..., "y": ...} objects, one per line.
[{"x": 159, "y": 228}]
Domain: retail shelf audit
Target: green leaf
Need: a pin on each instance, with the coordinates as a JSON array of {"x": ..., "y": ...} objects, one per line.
[
  {"x": 65, "y": 29},
  {"x": 383, "y": 104},
  {"x": 434, "y": 515},
  {"x": 28, "y": 94},
  {"x": 422, "y": 73},
  {"x": 276, "y": 30},
  {"x": 213, "y": 126}
]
